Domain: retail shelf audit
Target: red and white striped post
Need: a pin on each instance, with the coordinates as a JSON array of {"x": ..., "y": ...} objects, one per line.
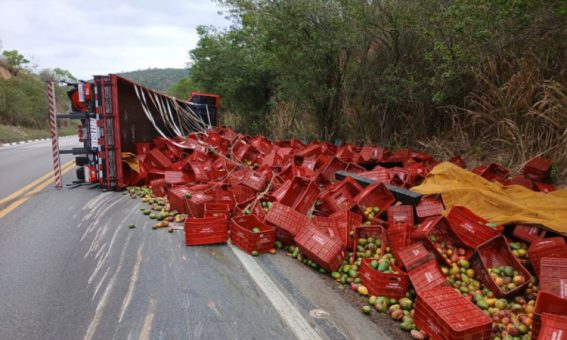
[{"x": 54, "y": 137}]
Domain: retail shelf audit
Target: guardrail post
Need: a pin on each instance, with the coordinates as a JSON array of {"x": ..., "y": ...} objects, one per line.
[{"x": 54, "y": 136}]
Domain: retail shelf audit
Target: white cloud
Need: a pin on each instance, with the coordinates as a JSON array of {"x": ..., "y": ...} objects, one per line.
[{"x": 105, "y": 36}]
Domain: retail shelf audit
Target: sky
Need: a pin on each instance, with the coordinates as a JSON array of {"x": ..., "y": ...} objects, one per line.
[{"x": 105, "y": 36}]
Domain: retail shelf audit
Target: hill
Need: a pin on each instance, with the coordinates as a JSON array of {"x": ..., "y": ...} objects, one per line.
[{"x": 160, "y": 79}]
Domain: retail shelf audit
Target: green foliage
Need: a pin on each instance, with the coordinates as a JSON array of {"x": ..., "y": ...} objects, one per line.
[
  {"x": 372, "y": 70},
  {"x": 14, "y": 58},
  {"x": 23, "y": 101},
  {"x": 159, "y": 79},
  {"x": 182, "y": 89},
  {"x": 231, "y": 63}
]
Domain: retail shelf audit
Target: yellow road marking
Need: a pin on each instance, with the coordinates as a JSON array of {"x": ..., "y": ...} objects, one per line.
[
  {"x": 32, "y": 184},
  {"x": 30, "y": 194}
]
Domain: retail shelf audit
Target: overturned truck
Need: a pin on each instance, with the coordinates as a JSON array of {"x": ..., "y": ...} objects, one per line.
[{"x": 117, "y": 116}]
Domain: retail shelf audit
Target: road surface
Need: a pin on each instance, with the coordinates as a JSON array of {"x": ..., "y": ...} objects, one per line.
[{"x": 72, "y": 269}]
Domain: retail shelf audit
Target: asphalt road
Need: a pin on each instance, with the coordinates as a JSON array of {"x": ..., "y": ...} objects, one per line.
[{"x": 71, "y": 268}]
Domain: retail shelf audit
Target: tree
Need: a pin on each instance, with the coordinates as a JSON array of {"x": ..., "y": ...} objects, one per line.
[
  {"x": 64, "y": 75},
  {"x": 14, "y": 59}
]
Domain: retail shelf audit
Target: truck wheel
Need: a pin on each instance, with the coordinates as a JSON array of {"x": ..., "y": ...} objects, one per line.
[
  {"x": 82, "y": 160},
  {"x": 80, "y": 174}
]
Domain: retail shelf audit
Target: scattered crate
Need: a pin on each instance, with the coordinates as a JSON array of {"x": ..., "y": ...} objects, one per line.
[
  {"x": 438, "y": 228},
  {"x": 400, "y": 214},
  {"x": 547, "y": 247},
  {"x": 287, "y": 219},
  {"x": 394, "y": 285},
  {"x": 496, "y": 253},
  {"x": 319, "y": 247},
  {"x": 443, "y": 313},
  {"x": 547, "y": 303},
  {"x": 427, "y": 276},
  {"x": 242, "y": 235},
  {"x": 529, "y": 232},
  {"x": 206, "y": 230},
  {"x": 470, "y": 228},
  {"x": 429, "y": 207},
  {"x": 414, "y": 255},
  {"x": 553, "y": 276}
]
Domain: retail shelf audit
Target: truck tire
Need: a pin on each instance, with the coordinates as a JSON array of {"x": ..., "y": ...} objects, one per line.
[
  {"x": 82, "y": 160},
  {"x": 80, "y": 173}
]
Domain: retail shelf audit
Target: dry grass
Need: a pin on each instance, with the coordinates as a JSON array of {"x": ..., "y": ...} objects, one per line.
[{"x": 513, "y": 115}]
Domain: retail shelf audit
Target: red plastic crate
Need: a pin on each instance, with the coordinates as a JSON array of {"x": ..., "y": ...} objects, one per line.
[
  {"x": 440, "y": 228},
  {"x": 365, "y": 231},
  {"x": 378, "y": 174},
  {"x": 327, "y": 225},
  {"x": 199, "y": 171},
  {"x": 553, "y": 327},
  {"x": 207, "y": 230},
  {"x": 254, "y": 180},
  {"x": 334, "y": 165},
  {"x": 347, "y": 221},
  {"x": 286, "y": 218},
  {"x": 429, "y": 207},
  {"x": 216, "y": 209},
  {"x": 547, "y": 247},
  {"x": 284, "y": 237},
  {"x": 319, "y": 247},
  {"x": 553, "y": 276},
  {"x": 242, "y": 236},
  {"x": 414, "y": 255},
  {"x": 156, "y": 159},
  {"x": 443, "y": 313},
  {"x": 495, "y": 172},
  {"x": 529, "y": 232},
  {"x": 383, "y": 284},
  {"x": 375, "y": 195},
  {"x": 545, "y": 187},
  {"x": 523, "y": 181},
  {"x": 537, "y": 169},
  {"x": 307, "y": 199},
  {"x": 400, "y": 214},
  {"x": 496, "y": 253},
  {"x": 154, "y": 174},
  {"x": 243, "y": 194},
  {"x": 176, "y": 177},
  {"x": 142, "y": 148},
  {"x": 458, "y": 161},
  {"x": 547, "y": 303},
  {"x": 158, "y": 187},
  {"x": 427, "y": 277},
  {"x": 470, "y": 228},
  {"x": 222, "y": 196},
  {"x": 399, "y": 236},
  {"x": 340, "y": 197},
  {"x": 196, "y": 204},
  {"x": 176, "y": 198}
]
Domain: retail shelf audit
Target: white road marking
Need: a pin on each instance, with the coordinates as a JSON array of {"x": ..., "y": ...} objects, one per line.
[
  {"x": 292, "y": 317},
  {"x": 132, "y": 285},
  {"x": 148, "y": 320},
  {"x": 104, "y": 299}
]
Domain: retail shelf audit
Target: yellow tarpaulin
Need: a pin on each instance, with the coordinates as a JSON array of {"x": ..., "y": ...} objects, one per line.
[
  {"x": 131, "y": 160},
  {"x": 495, "y": 202}
]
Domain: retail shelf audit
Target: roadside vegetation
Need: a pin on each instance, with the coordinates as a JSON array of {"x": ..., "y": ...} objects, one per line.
[
  {"x": 485, "y": 79},
  {"x": 24, "y": 111}
]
